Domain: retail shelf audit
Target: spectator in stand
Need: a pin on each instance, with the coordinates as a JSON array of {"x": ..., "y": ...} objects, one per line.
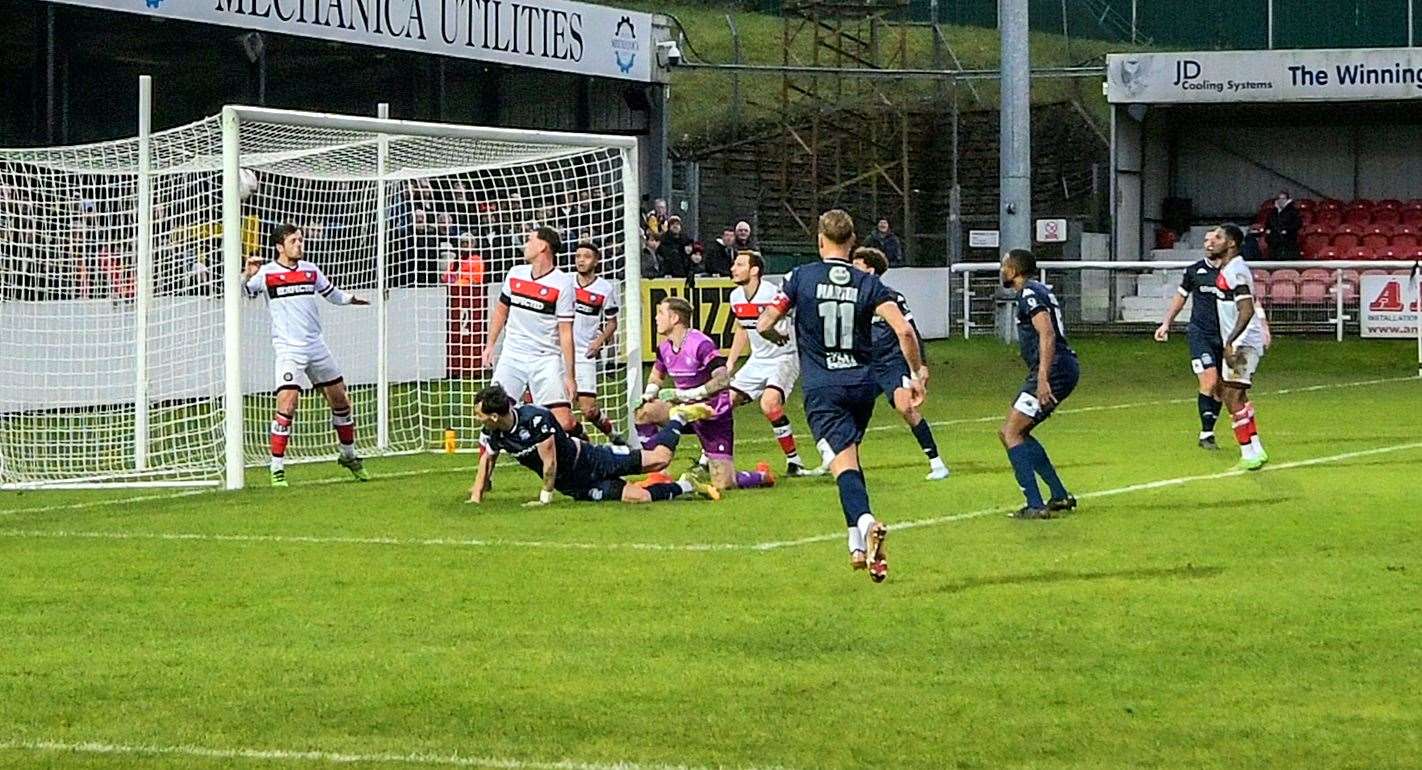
[
  {"x": 696, "y": 262},
  {"x": 722, "y": 253},
  {"x": 654, "y": 221},
  {"x": 1281, "y": 228},
  {"x": 744, "y": 242},
  {"x": 676, "y": 247},
  {"x": 651, "y": 256},
  {"x": 884, "y": 239},
  {"x": 423, "y": 245},
  {"x": 118, "y": 268}
]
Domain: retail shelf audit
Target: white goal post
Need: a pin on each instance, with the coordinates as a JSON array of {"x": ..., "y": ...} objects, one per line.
[{"x": 129, "y": 354}]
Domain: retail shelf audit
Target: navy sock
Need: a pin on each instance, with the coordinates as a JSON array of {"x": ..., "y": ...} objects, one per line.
[
  {"x": 1209, "y": 412},
  {"x": 1022, "y": 458},
  {"x": 664, "y": 491},
  {"x": 924, "y": 434},
  {"x": 853, "y": 495},
  {"x": 1046, "y": 470},
  {"x": 668, "y": 436}
]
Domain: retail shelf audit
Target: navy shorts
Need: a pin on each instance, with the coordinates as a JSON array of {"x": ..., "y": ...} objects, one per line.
[
  {"x": 1063, "y": 378},
  {"x": 599, "y": 471},
  {"x": 1206, "y": 350},
  {"x": 838, "y": 416},
  {"x": 889, "y": 375}
]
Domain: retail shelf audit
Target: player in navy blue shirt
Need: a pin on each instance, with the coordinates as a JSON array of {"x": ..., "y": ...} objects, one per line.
[
  {"x": 834, "y": 306},
  {"x": 578, "y": 469},
  {"x": 1206, "y": 345},
  {"x": 1052, "y": 373},
  {"x": 891, "y": 371}
]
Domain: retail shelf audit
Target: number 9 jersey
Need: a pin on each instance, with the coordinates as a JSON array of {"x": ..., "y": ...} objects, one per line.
[{"x": 834, "y": 308}]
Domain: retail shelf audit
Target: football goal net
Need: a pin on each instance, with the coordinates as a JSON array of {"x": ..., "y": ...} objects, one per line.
[{"x": 130, "y": 355}]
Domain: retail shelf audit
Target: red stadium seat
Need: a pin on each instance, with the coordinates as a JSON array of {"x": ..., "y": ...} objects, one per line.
[
  {"x": 1387, "y": 217},
  {"x": 1314, "y": 238},
  {"x": 1328, "y": 218},
  {"x": 1306, "y": 216},
  {"x": 1306, "y": 204},
  {"x": 1371, "y": 271},
  {"x": 1282, "y": 292},
  {"x": 1330, "y": 204},
  {"x": 1359, "y": 213},
  {"x": 1261, "y": 277},
  {"x": 1284, "y": 276},
  {"x": 1347, "y": 237},
  {"x": 1412, "y": 216},
  {"x": 1317, "y": 274},
  {"x": 1329, "y": 252},
  {"x": 1389, "y": 203},
  {"x": 1377, "y": 237},
  {"x": 1315, "y": 293},
  {"x": 1404, "y": 237},
  {"x": 1388, "y": 252},
  {"x": 1360, "y": 253}
]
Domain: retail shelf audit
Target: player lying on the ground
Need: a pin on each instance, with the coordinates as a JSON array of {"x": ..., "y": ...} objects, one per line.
[
  {"x": 1203, "y": 333},
  {"x": 834, "y": 307},
  {"x": 596, "y": 323},
  {"x": 891, "y": 371},
  {"x": 290, "y": 285},
  {"x": 1052, "y": 374},
  {"x": 698, "y": 371},
  {"x": 574, "y": 467},
  {"x": 769, "y": 374},
  {"x": 1245, "y": 335}
]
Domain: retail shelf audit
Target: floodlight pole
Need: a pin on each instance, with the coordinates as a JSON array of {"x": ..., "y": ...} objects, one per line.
[{"x": 1015, "y": 165}]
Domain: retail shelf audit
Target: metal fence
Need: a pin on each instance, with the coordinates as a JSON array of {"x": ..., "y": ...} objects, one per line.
[{"x": 1310, "y": 297}]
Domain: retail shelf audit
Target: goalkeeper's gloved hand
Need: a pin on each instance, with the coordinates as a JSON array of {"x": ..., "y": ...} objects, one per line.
[
  {"x": 649, "y": 393},
  {"x": 670, "y": 395}
]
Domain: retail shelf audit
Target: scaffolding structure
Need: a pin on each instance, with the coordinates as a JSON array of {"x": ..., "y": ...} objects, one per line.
[{"x": 844, "y": 140}]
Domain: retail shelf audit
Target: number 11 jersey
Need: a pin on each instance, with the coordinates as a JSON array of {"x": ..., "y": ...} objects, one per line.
[{"x": 834, "y": 308}]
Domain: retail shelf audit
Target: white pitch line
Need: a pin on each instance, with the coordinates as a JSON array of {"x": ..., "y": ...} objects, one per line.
[
  {"x": 673, "y": 547},
  {"x": 339, "y": 758},
  {"x": 752, "y": 440},
  {"x": 1144, "y": 486}
]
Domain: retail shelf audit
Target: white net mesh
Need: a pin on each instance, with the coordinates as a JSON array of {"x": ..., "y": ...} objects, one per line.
[{"x": 456, "y": 211}]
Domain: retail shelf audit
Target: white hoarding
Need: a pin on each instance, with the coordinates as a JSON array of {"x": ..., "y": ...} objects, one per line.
[
  {"x": 546, "y": 34},
  {"x": 1265, "y": 76},
  {"x": 1389, "y": 306}
]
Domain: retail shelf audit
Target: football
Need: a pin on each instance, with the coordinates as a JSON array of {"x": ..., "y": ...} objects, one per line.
[{"x": 248, "y": 184}]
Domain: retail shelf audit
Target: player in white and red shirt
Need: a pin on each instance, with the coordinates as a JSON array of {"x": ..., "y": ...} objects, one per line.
[
  {"x": 595, "y": 307},
  {"x": 1245, "y": 335},
  {"x": 291, "y": 286},
  {"x": 536, "y": 305},
  {"x": 770, "y": 372}
]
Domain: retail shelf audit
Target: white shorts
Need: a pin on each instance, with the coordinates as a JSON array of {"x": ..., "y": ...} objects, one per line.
[
  {"x": 760, "y": 374},
  {"x": 586, "y": 373},
  {"x": 1244, "y": 375},
  {"x": 301, "y": 369},
  {"x": 542, "y": 376}
]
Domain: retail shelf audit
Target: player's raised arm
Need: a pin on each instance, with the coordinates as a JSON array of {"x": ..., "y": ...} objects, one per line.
[{"x": 251, "y": 276}]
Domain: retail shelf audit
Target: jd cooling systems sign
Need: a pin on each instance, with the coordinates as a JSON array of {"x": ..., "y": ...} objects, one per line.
[
  {"x": 1265, "y": 76},
  {"x": 546, "y": 34}
]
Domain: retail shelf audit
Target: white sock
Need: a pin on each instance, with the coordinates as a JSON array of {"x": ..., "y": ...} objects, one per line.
[
  {"x": 347, "y": 451},
  {"x": 866, "y": 520},
  {"x": 278, "y": 463},
  {"x": 936, "y": 464},
  {"x": 826, "y": 454},
  {"x": 704, "y": 460},
  {"x": 1247, "y": 451},
  {"x": 1204, "y": 434},
  {"x": 686, "y": 486},
  {"x": 856, "y": 540},
  {"x": 793, "y": 459},
  {"x": 1255, "y": 445}
]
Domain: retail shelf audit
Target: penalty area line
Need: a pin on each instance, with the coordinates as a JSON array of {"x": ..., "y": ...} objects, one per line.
[{"x": 676, "y": 547}]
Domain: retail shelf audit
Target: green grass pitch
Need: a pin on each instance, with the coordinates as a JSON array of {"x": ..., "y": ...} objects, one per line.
[{"x": 1183, "y": 617}]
